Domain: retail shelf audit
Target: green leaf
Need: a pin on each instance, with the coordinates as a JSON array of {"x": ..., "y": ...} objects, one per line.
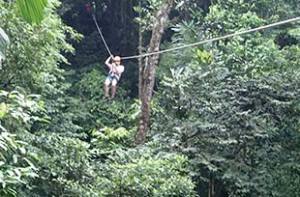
[
  {"x": 32, "y": 10},
  {"x": 3, "y": 110},
  {"x": 4, "y": 41}
]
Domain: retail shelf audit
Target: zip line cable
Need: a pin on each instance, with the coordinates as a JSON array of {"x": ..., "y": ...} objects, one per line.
[
  {"x": 101, "y": 35},
  {"x": 213, "y": 39},
  {"x": 196, "y": 43}
]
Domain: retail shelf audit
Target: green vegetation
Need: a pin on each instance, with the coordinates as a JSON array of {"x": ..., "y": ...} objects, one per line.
[
  {"x": 32, "y": 10},
  {"x": 224, "y": 119}
]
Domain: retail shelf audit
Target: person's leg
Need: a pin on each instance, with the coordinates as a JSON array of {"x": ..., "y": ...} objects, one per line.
[
  {"x": 113, "y": 88},
  {"x": 106, "y": 87}
]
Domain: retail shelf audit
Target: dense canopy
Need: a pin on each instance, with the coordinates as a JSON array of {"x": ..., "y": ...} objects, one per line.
[{"x": 219, "y": 119}]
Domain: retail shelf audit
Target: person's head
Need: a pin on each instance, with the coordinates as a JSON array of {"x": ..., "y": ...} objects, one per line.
[{"x": 117, "y": 60}]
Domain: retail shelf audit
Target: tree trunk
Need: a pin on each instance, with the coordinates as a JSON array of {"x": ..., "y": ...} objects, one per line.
[
  {"x": 140, "y": 60},
  {"x": 211, "y": 187},
  {"x": 149, "y": 69}
]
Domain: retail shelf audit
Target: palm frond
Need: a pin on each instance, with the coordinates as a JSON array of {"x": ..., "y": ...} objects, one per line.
[
  {"x": 32, "y": 10},
  {"x": 4, "y": 41}
]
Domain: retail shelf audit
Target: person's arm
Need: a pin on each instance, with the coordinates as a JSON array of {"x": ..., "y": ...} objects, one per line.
[{"x": 107, "y": 62}]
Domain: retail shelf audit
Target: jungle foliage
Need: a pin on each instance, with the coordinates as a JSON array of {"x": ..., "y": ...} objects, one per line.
[{"x": 224, "y": 116}]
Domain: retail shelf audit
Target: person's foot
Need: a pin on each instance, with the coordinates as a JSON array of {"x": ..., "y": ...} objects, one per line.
[
  {"x": 111, "y": 98},
  {"x": 106, "y": 98}
]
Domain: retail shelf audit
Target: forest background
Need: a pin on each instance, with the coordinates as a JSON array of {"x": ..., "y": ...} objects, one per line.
[{"x": 225, "y": 116}]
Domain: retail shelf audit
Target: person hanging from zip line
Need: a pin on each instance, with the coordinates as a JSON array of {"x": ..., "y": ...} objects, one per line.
[{"x": 114, "y": 75}]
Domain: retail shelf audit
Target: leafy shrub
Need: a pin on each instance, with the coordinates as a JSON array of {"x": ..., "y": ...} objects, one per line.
[
  {"x": 63, "y": 162},
  {"x": 108, "y": 140},
  {"x": 141, "y": 172},
  {"x": 16, "y": 166}
]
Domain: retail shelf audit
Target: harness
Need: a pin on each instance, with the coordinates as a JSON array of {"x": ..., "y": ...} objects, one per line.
[{"x": 114, "y": 75}]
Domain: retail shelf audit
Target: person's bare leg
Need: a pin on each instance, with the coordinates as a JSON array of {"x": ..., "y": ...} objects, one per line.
[
  {"x": 113, "y": 91},
  {"x": 106, "y": 91},
  {"x": 106, "y": 88},
  {"x": 113, "y": 88}
]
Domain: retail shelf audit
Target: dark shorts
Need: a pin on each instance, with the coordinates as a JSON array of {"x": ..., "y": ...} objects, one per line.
[{"x": 111, "y": 79}]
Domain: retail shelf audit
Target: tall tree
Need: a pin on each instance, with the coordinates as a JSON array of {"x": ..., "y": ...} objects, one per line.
[{"x": 148, "y": 77}]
